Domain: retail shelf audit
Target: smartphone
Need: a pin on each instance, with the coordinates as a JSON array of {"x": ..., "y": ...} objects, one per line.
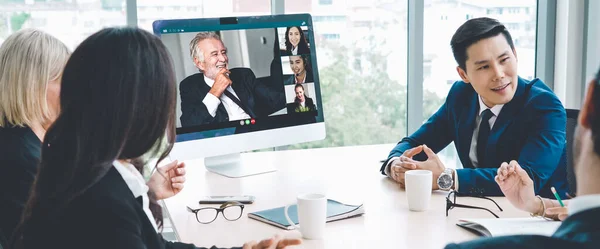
[{"x": 213, "y": 199}]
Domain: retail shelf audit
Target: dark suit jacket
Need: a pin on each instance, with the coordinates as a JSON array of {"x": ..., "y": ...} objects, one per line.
[
  {"x": 530, "y": 129},
  {"x": 251, "y": 93},
  {"x": 581, "y": 231},
  {"x": 20, "y": 151},
  {"x": 105, "y": 216},
  {"x": 309, "y": 78},
  {"x": 301, "y": 50},
  {"x": 308, "y": 103}
]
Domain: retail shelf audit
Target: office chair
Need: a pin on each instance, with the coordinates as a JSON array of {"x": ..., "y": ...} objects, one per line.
[{"x": 572, "y": 115}]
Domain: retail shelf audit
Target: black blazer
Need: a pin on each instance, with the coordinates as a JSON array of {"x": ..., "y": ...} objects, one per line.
[
  {"x": 105, "y": 216},
  {"x": 301, "y": 50},
  {"x": 20, "y": 151},
  {"x": 308, "y": 103},
  {"x": 309, "y": 78},
  {"x": 251, "y": 93},
  {"x": 581, "y": 230}
]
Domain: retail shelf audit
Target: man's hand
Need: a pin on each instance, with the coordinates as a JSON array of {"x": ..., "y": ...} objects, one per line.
[
  {"x": 433, "y": 164},
  {"x": 168, "y": 180},
  {"x": 272, "y": 243},
  {"x": 397, "y": 170},
  {"x": 517, "y": 187},
  {"x": 405, "y": 163},
  {"x": 222, "y": 81}
]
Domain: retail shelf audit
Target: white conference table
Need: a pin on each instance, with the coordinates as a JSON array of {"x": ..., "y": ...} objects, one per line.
[{"x": 348, "y": 174}]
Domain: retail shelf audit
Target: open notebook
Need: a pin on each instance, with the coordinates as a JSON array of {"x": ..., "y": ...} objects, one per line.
[
  {"x": 335, "y": 211},
  {"x": 510, "y": 226}
]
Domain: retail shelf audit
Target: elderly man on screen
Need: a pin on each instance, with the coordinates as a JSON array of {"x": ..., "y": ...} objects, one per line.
[{"x": 219, "y": 94}]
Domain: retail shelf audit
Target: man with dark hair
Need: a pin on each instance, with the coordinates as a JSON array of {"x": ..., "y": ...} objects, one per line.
[
  {"x": 492, "y": 116},
  {"x": 581, "y": 229}
]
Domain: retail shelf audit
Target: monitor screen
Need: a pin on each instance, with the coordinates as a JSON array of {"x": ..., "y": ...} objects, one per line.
[{"x": 239, "y": 75}]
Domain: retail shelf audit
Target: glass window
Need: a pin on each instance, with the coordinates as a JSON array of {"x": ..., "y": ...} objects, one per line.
[
  {"x": 152, "y": 10},
  {"x": 361, "y": 52},
  {"x": 439, "y": 61},
  {"x": 69, "y": 21}
]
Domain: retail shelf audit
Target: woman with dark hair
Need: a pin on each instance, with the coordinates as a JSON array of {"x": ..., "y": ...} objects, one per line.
[
  {"x": 295, "y": 41},
  {"x": 300, "y": 66},
  {"x": 117, "y": 106}
]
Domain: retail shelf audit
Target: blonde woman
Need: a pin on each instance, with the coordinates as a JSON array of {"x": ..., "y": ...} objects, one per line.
[{"x": 31, "y": 64}]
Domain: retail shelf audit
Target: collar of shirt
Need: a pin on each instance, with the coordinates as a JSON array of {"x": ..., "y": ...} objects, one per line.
[
  {"x": 209, "y": 82},
  {"x": 137, "y": 184},
  {"x": 133, "y": 178},
  {"x": 295, "y": 50},
  {"x": 583, "y": 202},
  {"x": 495, "y": 109},
  {"x": 300, "y": 82}
]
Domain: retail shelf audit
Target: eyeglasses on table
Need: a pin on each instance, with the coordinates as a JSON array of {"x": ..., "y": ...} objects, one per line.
[
  {"x": 450, "y": 204},
  {"x": 231, "y": 211}
]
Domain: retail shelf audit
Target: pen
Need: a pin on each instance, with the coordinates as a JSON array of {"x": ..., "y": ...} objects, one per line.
[{"x": 557, "y": 197}]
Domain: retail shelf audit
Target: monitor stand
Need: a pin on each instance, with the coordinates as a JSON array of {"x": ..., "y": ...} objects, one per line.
[{"x": 234, "y": 166}]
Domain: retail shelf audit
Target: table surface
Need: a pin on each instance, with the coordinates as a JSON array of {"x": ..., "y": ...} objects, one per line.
[{"x": 347, "y": 174}]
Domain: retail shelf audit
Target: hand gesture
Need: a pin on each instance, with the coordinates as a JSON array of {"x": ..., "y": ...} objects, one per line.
[
  {"x": 433, "y": 164},
  {"x": 222, "y": 81},
  {"x": 276, "y": 242},
  {"x": 167, "y": 180},
  {"x": 397, "y": 168},
  {"x": 517, "y": 187}
]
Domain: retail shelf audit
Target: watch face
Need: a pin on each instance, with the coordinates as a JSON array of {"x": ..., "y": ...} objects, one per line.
[{"x": 445, "y": 181}]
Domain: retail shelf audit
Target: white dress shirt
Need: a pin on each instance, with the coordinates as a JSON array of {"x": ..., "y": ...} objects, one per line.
[
  {"x": 582, "y": 203},
  {"x": 473, "y": 150},
  {"x": 295, "y": 50},
  {"x": 211, "y": 102},
  {"x": 136, "y": 183}
]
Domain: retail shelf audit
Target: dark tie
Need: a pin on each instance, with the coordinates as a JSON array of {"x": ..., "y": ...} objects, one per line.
[
  {"x": 482, "y": 136},
  {"x": 239, "y": 103}
]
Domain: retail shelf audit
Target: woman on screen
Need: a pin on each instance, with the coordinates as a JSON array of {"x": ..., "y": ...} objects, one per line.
[
  {"x": 295, "y": 41},
  {"x": 117, "y": 105},
  {"x": 300, "y": 66}
]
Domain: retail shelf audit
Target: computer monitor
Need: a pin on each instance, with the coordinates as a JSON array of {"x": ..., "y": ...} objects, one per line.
[{"x": 244, "y": 83}]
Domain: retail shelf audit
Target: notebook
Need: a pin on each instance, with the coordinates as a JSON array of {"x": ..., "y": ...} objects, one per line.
[
  {"x": 510, "y": 226},
  {"x": 335, "y": 211}
]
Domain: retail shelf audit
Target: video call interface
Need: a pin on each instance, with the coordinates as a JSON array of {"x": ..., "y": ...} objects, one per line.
[{"x": 247, "y": 79}]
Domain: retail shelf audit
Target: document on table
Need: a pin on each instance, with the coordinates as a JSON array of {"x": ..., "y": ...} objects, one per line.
[{"x": 510, "y": 226}]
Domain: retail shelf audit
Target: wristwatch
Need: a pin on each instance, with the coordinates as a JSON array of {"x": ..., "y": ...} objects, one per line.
[{"x": 445, "y": 181}]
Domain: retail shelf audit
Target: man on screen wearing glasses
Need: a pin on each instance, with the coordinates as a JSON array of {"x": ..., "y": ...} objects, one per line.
[{"x": 492, "y": 116}]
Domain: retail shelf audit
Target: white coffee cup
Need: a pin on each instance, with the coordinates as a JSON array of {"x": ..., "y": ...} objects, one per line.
[
  {"x": 312, "y": 212},
  {"x": 418, "y": 189}
]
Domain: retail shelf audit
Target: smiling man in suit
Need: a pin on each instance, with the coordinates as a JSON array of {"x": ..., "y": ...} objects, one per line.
[
  {"x": 219, "y": 94},
  {"x": 581, "y": 229},
  {"x": 492, "y": 116}
]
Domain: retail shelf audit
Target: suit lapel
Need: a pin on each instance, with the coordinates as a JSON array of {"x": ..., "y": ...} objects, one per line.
[
  {"x": 506, "y": 116},
  {"x": 466, "y": 125}
]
